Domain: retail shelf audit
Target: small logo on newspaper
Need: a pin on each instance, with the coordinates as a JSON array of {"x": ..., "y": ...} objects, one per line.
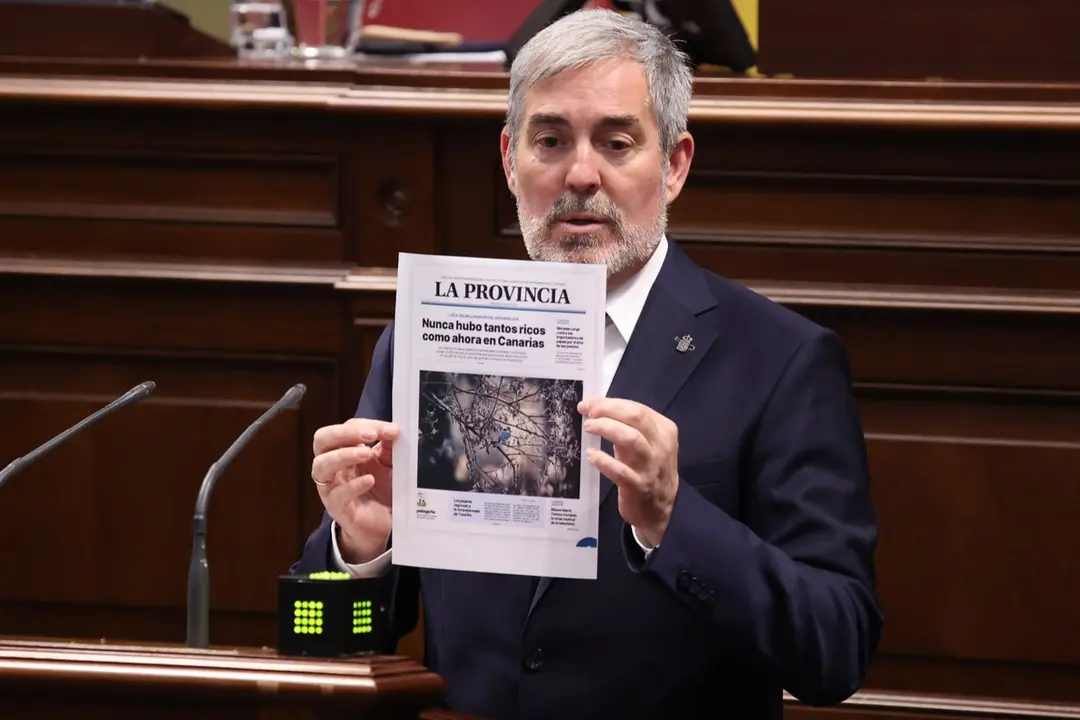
[
  {"x": 589, "y": 542},
  {"x": 423, "y": 512}
]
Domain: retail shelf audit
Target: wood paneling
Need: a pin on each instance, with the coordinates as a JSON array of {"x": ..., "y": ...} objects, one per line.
[
  {"x": 140, "y": 183},
  {"x": 974, "y": 496},
  {"x": 933, "y": 226},
  {"x": 846, "y": 204},
  {"x": 873, "y": 207},
  {"x": 948, "y": 342},
  {"x": 394, "y": 201},
  {"x": 95, "y": 508},
  {"x": 996, "y": 40},
  {"x": 177, "y": 188},
  {"x": 113, "y": 507}
]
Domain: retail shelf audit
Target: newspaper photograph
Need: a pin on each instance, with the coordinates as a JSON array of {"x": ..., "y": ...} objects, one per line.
[{"x": 491, "y": 358}]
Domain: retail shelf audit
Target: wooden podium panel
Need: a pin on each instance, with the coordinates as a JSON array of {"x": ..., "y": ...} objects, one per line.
[{"x": 54, "y": 680}]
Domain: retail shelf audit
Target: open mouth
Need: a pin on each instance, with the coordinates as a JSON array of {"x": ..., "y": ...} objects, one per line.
[{"x": 582, "y": 221}]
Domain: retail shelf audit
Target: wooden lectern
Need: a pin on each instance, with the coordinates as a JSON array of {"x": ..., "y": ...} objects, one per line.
[{"x": 57, "y": 680}]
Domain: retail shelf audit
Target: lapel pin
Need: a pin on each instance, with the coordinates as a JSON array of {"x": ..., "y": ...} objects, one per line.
[{"x": 684, "y": 343}]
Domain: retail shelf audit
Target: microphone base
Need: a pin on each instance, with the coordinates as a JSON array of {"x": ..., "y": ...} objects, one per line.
[{"x": 331, "y": 614}]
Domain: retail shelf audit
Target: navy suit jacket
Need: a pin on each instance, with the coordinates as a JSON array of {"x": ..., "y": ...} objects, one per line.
[{"x": 765, "y": 577}]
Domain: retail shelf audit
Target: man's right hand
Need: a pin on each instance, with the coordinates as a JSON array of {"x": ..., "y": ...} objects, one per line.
[{"x": 355, "y": 484}]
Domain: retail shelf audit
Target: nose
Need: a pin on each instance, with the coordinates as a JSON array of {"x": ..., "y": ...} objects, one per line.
[{"x": 583, "y": 176}]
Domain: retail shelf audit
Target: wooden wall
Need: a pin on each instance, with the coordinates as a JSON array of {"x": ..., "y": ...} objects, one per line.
[
  {"x": 228, "y": 239},
  {"x": 1033, "y": 41}
]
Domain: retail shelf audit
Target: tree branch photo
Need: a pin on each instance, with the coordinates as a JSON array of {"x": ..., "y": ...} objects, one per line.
[{"x": 498, "y": 434}]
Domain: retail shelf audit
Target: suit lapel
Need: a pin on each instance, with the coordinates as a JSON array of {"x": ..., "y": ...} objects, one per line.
[{"x": 653, "y": 368}]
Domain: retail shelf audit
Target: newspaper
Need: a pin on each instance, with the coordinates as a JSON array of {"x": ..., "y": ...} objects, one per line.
[{"x": 491, "y": 358}]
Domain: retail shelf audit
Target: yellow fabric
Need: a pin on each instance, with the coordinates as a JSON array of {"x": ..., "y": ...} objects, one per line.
[
  {"x": 748, "y": 13},
  {"x": 209, "y": 16}
]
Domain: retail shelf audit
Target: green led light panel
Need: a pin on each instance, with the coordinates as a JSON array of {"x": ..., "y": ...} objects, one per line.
[
  {"x": 308, "y": 617},
  {"x": 361, "y": 617}
]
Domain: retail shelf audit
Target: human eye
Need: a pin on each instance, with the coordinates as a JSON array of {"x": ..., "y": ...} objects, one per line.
[
  {"x": 547, "y": 142},
  {"x": 618, "y": 144}
]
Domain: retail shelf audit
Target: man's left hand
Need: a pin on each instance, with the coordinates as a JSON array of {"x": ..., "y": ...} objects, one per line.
[{"x": 646, "y": 462}]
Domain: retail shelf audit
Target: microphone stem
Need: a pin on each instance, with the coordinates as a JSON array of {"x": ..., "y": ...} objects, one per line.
[
  {"x": 198, "y": 631},
  {"x": 12, "y": 469},
  {"x": 198, "y": 617},
  {"x": 134, "y": 394}
]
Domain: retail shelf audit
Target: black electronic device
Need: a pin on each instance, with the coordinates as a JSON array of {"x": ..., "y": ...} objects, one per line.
[{"x": 331, "y": 614}]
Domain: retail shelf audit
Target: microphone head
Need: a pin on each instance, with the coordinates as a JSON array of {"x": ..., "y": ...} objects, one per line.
[
  {"x": 296, "y": 394},
  {"x": 143, "y": 389}
]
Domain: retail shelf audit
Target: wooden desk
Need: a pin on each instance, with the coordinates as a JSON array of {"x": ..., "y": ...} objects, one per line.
[
  {"x": 869, "y": 705},
  {"x": 228, "y": 230},
  {"x": 61, "y": 680}
]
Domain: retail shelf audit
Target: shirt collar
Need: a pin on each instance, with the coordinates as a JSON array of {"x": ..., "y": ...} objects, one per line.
[{"x": 625, "y": 303}]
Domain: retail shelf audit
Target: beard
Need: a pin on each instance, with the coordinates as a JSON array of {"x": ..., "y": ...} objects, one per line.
[{"x": 629, "y": 246}]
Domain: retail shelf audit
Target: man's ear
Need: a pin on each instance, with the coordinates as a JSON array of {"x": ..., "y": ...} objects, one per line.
[
  {"x": 679, "y": 165},
  {"x": 504, "y": 149}
]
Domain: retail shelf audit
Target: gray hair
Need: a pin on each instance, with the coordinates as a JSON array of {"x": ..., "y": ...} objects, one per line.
[{"x": 588, "y": 36}]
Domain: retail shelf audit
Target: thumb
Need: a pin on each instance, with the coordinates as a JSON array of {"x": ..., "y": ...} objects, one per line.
[{"x": 384, "y": 453}]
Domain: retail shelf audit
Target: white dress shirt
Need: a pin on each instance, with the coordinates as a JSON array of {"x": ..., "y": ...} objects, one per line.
[{"x": 624, "y": 306}]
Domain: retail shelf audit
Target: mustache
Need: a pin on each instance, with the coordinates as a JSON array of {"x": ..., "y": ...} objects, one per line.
[{"x": 598, "y": 205}]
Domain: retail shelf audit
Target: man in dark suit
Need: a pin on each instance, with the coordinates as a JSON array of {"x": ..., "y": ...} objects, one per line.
[{"x": 737, "y": 532}]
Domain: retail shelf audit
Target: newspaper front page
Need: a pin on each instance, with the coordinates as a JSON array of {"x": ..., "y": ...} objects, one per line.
[{"x": 491, "y": 358}]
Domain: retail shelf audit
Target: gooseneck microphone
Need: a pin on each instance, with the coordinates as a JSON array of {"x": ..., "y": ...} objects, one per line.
[
  {"x": 133, "y": 395},
  {"x": 198, "y": 611}
]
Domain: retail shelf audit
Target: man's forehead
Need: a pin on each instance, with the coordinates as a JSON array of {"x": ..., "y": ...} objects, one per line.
[
  {"x": 613, "y": 76},
  {"x": 608, "y": 92}
]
